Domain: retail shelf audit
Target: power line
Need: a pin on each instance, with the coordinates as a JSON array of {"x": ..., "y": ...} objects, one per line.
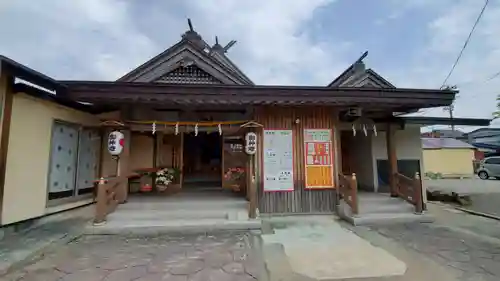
[
  {"x": 493, "y": 76},
  {"x": 466, "y": 43}
]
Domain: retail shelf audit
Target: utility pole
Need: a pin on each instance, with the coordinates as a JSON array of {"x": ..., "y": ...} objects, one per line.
[{"x": 450, "y": 108}]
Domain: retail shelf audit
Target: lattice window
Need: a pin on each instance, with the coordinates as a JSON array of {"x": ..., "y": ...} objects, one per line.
[
  {"x": 189, "y": 75},
  {"x": 73, "y": 160},
  {"x": 63, "y": 160}
]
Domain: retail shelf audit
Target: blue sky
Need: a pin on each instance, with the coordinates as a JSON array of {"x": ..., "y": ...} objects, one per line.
[{"x": 412, "y": 43}]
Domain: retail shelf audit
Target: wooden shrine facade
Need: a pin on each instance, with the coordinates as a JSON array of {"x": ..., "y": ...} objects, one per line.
[
  {"x": 193, "y": 86},
  {"x": 293, "y": 109}
]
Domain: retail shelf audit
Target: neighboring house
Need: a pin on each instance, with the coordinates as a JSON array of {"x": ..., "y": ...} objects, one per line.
[
  {"x": 192, "y": 97},
  {"x": 486, "y": 140},
  {"x": 443, "y": 133},
  {"x": 448, "y": 157}
]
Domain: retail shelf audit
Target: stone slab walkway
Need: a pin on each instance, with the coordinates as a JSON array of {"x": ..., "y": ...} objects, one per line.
[
  {"x": 16, "y": 248},
  {"x": 465, "y": 244},
  {"x": 223, "y": 256},
  {"x": 324, "y": 250}
]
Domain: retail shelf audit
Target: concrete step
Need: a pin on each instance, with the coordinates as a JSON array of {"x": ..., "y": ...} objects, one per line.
[
  {"x": 168, "y": 214},
  {"x": 184, "y": 205},
  {"x": 378, "y": 219},
  {"x": 157, "y": 227},
  {"x": 375, "y": 197},
  {"x": 381, "y": 208}
]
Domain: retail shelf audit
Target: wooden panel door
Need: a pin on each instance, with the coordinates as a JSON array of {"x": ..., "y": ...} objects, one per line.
[{"x": 233, "y": 158}]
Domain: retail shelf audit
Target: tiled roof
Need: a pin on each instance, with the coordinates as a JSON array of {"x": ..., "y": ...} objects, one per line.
[{"x": 436, "y": 143}]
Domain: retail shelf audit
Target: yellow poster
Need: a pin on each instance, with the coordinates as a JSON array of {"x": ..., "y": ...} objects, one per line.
[{"x": 318, "y": 158}]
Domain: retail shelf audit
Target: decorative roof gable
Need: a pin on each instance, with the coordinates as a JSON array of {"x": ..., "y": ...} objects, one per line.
[
  {"x": 191, "y": 74},
  {"x": 358, "y": 76},
  {"x": 191, "y": 60}
]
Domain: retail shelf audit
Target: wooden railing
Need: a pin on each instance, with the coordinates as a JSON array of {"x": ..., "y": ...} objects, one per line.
[
  {"x": 410, "y": 190},
  {"x": 107, "y": 197},
  {"x": 348, "y": 188}
]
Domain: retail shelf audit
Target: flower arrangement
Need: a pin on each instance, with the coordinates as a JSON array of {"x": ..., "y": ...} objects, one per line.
[
  {"x": 234, "y": 174},
  {"x": 164, "y": 177}
]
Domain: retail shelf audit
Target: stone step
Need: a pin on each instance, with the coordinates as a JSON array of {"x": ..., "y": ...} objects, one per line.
[
  {"x": 390, "y": 207},
  {"x": 178, "y": 214},
  {"x": 374, "y": 197},
  {"x": 378, "y": 219},
  {"x": 158, "y": 227},
  {"x": 184, "y": 205}
]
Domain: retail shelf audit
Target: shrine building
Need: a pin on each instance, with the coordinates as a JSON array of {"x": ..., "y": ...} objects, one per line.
[{"x": 192, "y": 113}]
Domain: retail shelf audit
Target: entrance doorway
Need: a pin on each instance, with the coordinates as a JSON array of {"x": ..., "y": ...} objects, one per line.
[{"x": 202, "y": 161}]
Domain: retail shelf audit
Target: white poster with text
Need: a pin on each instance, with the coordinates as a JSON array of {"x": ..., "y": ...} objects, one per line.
[{"x": 278, "y": 160}]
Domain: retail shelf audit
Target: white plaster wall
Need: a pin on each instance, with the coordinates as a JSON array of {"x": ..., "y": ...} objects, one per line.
[
  {"x": 408, "y": 146},
  {"x": 26, "y": 174}
]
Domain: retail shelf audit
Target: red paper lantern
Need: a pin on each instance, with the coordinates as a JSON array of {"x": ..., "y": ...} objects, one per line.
[{"x": 146, "y": 188}]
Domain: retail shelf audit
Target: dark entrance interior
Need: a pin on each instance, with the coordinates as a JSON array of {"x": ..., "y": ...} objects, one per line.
[{"x": 203, "y": 161}]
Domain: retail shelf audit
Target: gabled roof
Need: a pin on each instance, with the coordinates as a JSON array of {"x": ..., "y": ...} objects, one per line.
[
  {"x": 191, "y": 49},
  {"x": 27, "y": 74},
  {"x": 357, "y": 75},
  {"x": 444, "y": 143},
  {"x": 484, "y": 132}
]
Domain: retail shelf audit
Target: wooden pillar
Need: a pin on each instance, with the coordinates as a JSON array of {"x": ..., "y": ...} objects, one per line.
[
  {"x": 252, "y": 188},
  {"x": 6, "y": 101},
  {"x": 392, "y": 159},
  {"x": 101, "y": 209},
  {"x": 122, "y": 168},
  {"x": 181, "y": 160},
  {"x": 337, "y": 154}
]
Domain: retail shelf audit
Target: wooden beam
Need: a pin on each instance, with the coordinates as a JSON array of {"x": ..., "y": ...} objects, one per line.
[
  {"x": 252, "y": 187},
  {"x": 392, "y": 159},
  {"x": 181, "y": 164},
  {"x": 123, "y": 170},
  {"x": 6, "y": 98}
]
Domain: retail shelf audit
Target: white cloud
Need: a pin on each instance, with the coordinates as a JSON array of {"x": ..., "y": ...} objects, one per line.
[
  {"x": 446, "y": 34},
  {"x": 103, "y": 39}
]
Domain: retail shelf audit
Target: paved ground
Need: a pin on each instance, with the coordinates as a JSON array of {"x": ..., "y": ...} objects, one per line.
[
  {"x": 224, "y": 256},
  {"x": 464, "y": 186},
  {"x": 484, "y": 194},
  {"x": 324, "y": 250},
  {"x": 466, "y": 244},
  {"x": 15, "y": 247}
]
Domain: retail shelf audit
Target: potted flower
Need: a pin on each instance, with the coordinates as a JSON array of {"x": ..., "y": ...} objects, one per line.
[
  {"x": 234, "y": 176},
  {"x": 165, "y": 177}
]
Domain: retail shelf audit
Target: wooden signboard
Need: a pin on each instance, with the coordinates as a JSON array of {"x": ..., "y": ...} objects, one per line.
[{"x": 318, "y": 151}]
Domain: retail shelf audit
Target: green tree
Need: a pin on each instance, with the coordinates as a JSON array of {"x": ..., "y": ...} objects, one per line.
[{"x": 496, "y": 114}]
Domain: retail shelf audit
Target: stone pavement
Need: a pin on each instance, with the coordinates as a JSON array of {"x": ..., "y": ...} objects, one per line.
[
  {"x": 466, "y": 244},
  {"x": 222, "y": 256},
  {"x": 16, "y": 247},
  {"x": 464, "y": 186},
  {"x": 484, "y": 194},
  {"x": 324, "y": 250}
]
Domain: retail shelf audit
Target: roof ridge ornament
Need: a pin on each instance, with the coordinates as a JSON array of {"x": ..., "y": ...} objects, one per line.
[
  {"x": 190, "y": 25},
  {"x": 194, "y": 37},
  {"x": 218, "y": 47}
]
